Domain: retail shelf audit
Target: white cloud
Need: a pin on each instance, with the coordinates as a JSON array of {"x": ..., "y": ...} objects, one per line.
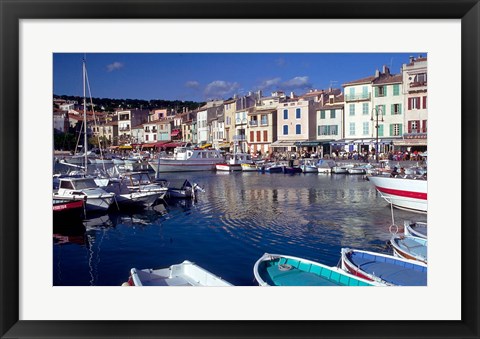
[
  {"x": 114, "y": 66},
  {"x": 220, "y": 89},
  {"x": 192, "y": 84},
  {"x": 269, "y": 84},
  {"x": 297, "y": 83}
]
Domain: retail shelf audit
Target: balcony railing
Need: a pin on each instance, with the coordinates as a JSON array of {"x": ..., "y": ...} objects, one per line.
[
  {"x": 124, "y": 128},
  {"x": 357, "y": 97},
  {"x": 240, "y": 137},
  {"x": 253, "y": 122}
]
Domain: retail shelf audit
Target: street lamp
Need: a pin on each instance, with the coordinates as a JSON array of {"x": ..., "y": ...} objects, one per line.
[{"x": 378, "y": 111}]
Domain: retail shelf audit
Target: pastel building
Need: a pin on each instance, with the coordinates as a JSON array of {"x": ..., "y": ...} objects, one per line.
[{"x": 415, "y": 103}]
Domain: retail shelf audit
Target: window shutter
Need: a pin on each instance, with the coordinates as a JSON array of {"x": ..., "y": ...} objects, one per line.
[
  {"x": 399, "y": 108},
  {"x": 409, "y": 127},
  {"x": 392, "y": 109},
  {"x": 251, "y": 136},
  {"x": 424, "y": 102},
  {"x": 384, "y": 109},
  {"x": 400, "y": 129},
  {"x": 385, "y": 91},
  {"x": 424, "y": 126},
  {"x": 409, "y": 104},
  {"x": 417, "y": 99},
  {"x": 391, "y": 129},
  {"x": 376, "y": 91},
  {"x": 380, "y": 130}
]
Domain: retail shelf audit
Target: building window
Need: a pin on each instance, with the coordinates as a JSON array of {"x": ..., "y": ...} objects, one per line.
[
  {"x": 380, "y": 109},
  {"x": 265, "y": 135},
  {"x": 414, "y": 103},
  {"x": 285, "y": 114},
  {"x": 146, "y": 137},
  {"x": 154, "y": 137},
  {"x": 322, "y": 114},
  {"x": 264, "y": 119},
  {"x": 298, "y": 114},
  {"x": 352, "y": 128},
  {"x": 332, "y": 114},
  {"x": 252, "y": 134},
  {"x": 396, "y": 89},
  {"x": 285, "y": 129},
  {"x": 258, "y": 136},
  {"x": 396, "y": 109},
  {"x": 365, "y": 127},
  {"x": 298, "y": 129},
  {"x": 352, "y": 109},
  {"x": 364, "y": 92},
  {"x": 421, "y": 78},
  {"x": 365, "y": 109},
  {"x": 414, "y": 126},
  {"x": 395, "y": 130},
  {"x": 381, "y": 91}
]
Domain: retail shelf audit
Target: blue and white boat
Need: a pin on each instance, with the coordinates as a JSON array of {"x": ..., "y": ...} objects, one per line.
[
  {"x": 384, "y": 268},
  {"x": 417, "y": 229},
  {"x": 410, "y": 247},
  {"x": 284, "y": 270}
]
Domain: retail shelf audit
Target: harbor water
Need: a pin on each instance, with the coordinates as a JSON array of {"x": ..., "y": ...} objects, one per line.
[{"x": 238, "y": 217}]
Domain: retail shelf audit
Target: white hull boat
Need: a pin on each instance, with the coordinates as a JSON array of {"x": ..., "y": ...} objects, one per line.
[
  {"x": 410, "y": 247},
  {"x": 187, "y": 159},
  {"x": 417, "y": 229},
  {"x": 234, "y": 162},
  {"x": 184, "y": 274},
  {"x": 97, "y": 199},
  {"x": 403, "y": 193},
  {"x": 339, "y": 170}
]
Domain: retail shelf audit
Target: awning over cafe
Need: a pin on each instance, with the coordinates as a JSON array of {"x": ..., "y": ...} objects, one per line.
[
  {"x": 283, "y": 143},
  {"x": 175, "y": 132},
  {"x": 311, "y": 143},
  {"x": 410, "y": 142},
  {"x": 125, "y": 147}
]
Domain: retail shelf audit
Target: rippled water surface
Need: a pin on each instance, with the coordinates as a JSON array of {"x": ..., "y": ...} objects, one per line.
[{"x": 239, "y": 217}]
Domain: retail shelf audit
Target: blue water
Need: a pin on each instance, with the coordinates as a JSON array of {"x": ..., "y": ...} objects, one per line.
[{"x": 239, "y": 217}]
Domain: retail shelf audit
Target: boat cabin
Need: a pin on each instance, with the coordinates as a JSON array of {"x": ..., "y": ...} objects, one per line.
[
  {"x": 77, "y": 183},
  {"x": 184, "y": 153}
]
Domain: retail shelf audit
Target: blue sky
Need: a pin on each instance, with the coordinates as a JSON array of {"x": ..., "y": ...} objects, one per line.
[{"x": 204, "y": 76}]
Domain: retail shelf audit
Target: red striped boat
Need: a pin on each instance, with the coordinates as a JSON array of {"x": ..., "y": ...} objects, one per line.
[{"x": 404, "y": 193}]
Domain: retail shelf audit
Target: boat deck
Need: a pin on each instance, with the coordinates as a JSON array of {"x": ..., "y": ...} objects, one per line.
[
  {"x": 412, "y": 246},
  {"x": 393, "y": 271}
]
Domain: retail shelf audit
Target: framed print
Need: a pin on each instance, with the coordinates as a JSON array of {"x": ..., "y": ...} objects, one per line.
[{"x": 39, "y": 301}]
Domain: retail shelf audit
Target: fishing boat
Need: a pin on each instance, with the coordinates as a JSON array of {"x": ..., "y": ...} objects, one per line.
[
  {"x": 96, "y": 198},
  {"x": 383, "y": 268},
  {"x": 128, "y": 195},
  {"x": 325, "y": 166},
  {"x": 403, "y": 193},
  {"x": 234, "y": 162},
  {"x": 184, "y": 274},
  {"x": 188, "y": 159},
  {"x": 66, "y": 210},
  {"x": 249, "y": 167},
  {"x": 417, "y": 229},
  {"x": 339, "y": 170},
  {"x": 179, "y": 188},
  {"x": 292, "y": 169},
  {"x": 308, "y": 166},
  {"x": 410, "y": 247},
  {"x": 356, "y": 170},
  {"x": 284, "y": 270}
]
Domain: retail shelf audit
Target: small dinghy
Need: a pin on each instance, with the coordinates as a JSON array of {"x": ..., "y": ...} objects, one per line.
[
  {"x": 284, "y": 270},
  {"x": 410, "y": 247},
  {"x": 384, "y": 268},
  {"x": 417, "y": 229},
  {"x": 183, "y": 274}
]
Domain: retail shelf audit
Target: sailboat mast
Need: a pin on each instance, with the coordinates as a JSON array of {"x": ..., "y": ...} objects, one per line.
[{"x": 85, "y": 143}]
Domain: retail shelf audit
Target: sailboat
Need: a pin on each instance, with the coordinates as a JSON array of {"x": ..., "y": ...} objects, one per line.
[{"x": 94, "y": 197}]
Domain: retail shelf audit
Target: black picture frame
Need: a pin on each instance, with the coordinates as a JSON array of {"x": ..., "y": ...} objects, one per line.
[{"x": 13, "y": 11}]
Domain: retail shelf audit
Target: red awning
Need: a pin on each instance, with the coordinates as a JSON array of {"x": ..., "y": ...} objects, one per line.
[
  {"x": 175, "y": 133},
  {"x": 173, "y": 144},
  {"x": 149, "y": 145}
]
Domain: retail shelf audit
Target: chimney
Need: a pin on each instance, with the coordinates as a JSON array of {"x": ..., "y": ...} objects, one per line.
[
  {"x": 412, "y": 59},
  {"x": 386, "y": 70},
  {"x": 377, "y": 73},
  {"x": 292, "y": 95}
]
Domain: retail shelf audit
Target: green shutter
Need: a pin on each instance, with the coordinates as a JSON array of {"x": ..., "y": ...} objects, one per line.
[
  {"x": 380, "y": 130},
  {"x": 385, "y": 91},
  {"x": 400, "y": 129},
  {"x": 392, "y": 109},
  {"x": 322, "y": 114},
  {"x": 384, "y": 109},
  {"x": 391, "y": 130},
  {"x": 400, "y": 109},
  {"x": 396, "y": 89},
  {"x": 376, "y": 91}
]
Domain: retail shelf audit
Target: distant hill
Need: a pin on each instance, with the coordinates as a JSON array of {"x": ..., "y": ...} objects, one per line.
[{"x": 109, "y": 105}]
